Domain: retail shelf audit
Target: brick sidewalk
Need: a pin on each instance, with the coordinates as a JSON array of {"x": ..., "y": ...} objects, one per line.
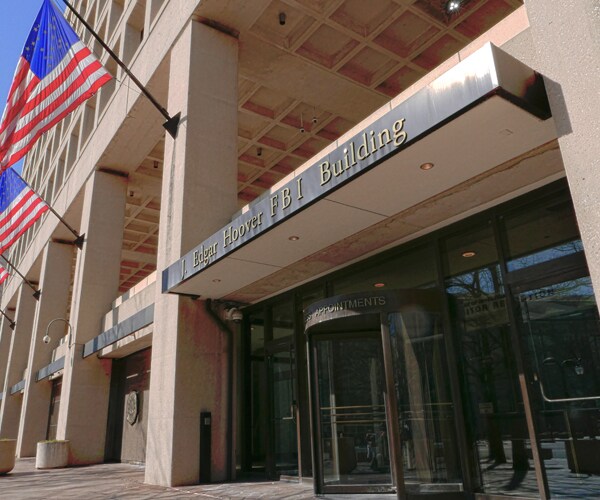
[{"x": 106, "y": 481}]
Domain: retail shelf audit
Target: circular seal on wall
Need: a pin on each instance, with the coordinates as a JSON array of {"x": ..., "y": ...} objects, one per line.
[{"x": 131, "y": 407}]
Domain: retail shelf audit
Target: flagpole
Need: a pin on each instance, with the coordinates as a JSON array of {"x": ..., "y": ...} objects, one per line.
[
  {"x": 79, "y": 238},
  {"x": 172, "y": 122},
  {"x": 11, "y": 322},
  {"x": 36, "y": 292}
]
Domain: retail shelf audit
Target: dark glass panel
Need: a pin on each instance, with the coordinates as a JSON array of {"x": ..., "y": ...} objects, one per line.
[
  {"x": 412, "y": 269},
  {"x": 494, "y": 411}
]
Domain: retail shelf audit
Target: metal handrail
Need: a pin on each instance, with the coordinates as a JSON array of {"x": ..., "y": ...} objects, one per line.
[{"x": 564, "y": 400}]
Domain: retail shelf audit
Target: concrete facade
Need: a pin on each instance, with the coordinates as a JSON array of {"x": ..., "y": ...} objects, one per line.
[
  {"x": 81, "y": 421},
  {"x": 55, "y": 282},
  {"x": 571, "y": 75},
  {"x": 266, "y": 90},
  {"x": 189, "y": 348},
  {"x": 17, "y": 362}
]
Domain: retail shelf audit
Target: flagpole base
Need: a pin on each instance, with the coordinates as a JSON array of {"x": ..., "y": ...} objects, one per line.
[
  {"x": 36, "y": 294},
  {"x": 172, "y": 124},
  {"x": 79, "y": 241},
  {"x": 12, "y": 325}
]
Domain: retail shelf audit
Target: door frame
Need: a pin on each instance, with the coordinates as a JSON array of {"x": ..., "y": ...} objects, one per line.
[
  {"x": 356, "y": 308},
  {"x": 540, "y": 275},
  {"x": 272, "y": 347},
  {"x": 320, "y": 487}
]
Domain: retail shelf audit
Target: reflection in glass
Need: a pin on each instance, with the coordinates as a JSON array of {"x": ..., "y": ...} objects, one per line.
[
  {"x": 412, "y": 269},
  {"x": 281, "y": 366},
  {"x": 425, "y": 408},
  {"x": 283, "y": 319},
  {"x": 559, "y": 324},
  {"x": 545, "y": 255},
  {"x": 258, "y": 395},
  {"x": 541, "y": 233},
  {"x": 494, "y": 411},
  {"x": 354, "y": 434}
]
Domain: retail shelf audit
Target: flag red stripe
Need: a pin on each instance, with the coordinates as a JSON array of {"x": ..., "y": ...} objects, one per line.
[
  {"x": 48, "y": 110},
  {"x": 19, "y": 218},
  {"x": 46, "y": 90},
  {"x": 6, "y": 217},
  {"x": 42, "y": 209},
  {"x": 17, "y": 155},
  {"x": 20, "y": 74},
  {"x": 15, "y": 111},
  {"x": 24, "y": 105},
  {"x": 37, "y": 205},
  {"x": 17, "y": 108}
]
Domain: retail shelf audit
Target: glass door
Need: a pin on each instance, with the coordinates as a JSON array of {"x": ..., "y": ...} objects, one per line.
[
  {"x": 429, "y": 454},
  {"x": 560, "y": 333},
  {"x": 383, "y": 415},
  {"x": 353, "y": 444},
  {"x": 557, "y": 323},
  {"x": 282, "y": 454}
]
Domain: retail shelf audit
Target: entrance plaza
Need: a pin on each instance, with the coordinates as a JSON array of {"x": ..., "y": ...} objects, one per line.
[
  {"x": 97, "y": 482},
  {"x": 367, "y": 264},
  {"x": 126, "y": 481}
]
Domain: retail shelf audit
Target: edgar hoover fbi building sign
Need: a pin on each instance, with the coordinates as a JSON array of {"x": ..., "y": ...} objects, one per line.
[
  {"x": 472, "y": 81},
  {"x": 362, "y": 151}
]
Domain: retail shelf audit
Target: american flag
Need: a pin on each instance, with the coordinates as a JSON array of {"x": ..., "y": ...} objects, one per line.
[
  {"x": 54, "y": 75},
  {"x": 20, "y": 207},
  {"x": 3, "y": 275}
]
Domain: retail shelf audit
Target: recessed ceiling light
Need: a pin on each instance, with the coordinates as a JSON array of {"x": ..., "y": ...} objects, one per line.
[
  {"x": 294, "y": 238},
  {"x": 468, "y": 254},
  {"x": 427, "y": 166},
  {"x": 453, "y": 6},
  {"x": 378, "y": 285}
]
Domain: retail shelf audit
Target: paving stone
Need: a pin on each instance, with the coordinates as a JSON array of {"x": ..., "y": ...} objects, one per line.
[{"x": 125, "y": 481}]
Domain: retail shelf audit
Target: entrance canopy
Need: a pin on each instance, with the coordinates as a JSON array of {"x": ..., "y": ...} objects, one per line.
[{"x": 484, "y": 127}]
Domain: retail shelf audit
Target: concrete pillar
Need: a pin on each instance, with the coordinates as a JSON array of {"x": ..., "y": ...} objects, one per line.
[
  {"x": 5, "y": 340},
  {"x": 199, "y": 195},
  {"x": 566, "y": 36},
  {"x": 55, "y": 282},
  {"x": 10, "y": 411},
  {"x": 86, "y": 382}
]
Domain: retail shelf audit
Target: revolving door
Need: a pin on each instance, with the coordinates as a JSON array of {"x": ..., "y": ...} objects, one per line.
[{"x": 383, "y": 416}]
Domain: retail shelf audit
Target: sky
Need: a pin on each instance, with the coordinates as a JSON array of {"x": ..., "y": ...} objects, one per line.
[{"x": 15, "y": 24}]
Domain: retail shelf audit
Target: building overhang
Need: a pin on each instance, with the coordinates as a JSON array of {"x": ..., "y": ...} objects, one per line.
[{"x": 483, "y": 112}]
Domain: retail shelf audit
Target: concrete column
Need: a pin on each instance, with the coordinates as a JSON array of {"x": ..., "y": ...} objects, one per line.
[
  {"x": 566, "y": 36},
  {"x": 10, "y": 411},
  {"x": 199, "y": 195},
  {"x": 5, "y": 340},
  {"x": 55, "y": 282},
  {"x": 86, "y": 382}
]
